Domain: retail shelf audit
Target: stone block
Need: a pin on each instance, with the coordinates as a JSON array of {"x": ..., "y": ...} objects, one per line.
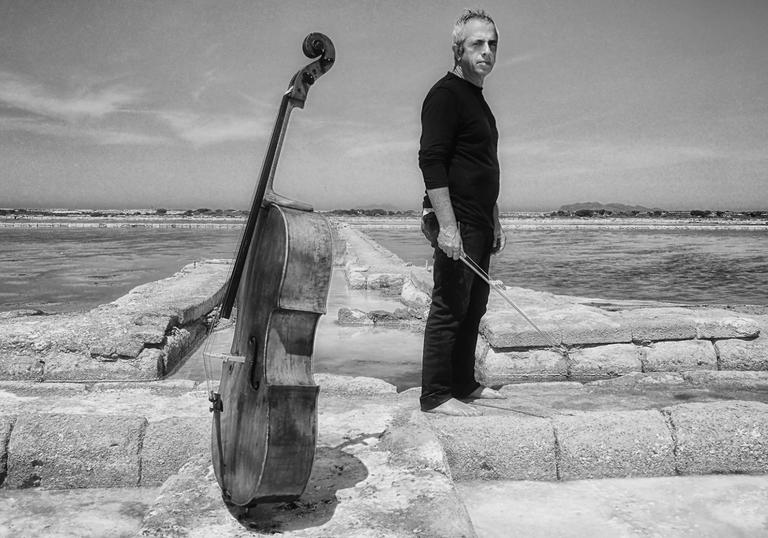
[
  {"x": 6, "y": 424},
  {"x": 732, "y": 379},
  {"x": 612, "y": 444},
  {"x": 129, "y": 348},
  {"x": 383, "y": 317},
  {"x": 507, "y": 329},
  {"x": 679, "y": 356},
  {"x": 77, "y": 367},
  {"x": 353, "y": 316},
  {"x": 356, "y": 280},
  {"x": 21, "y": 367},
  {"x": 392, "y": 282},
  {"x": 501, "y": 368},
  {"x": 656, "y": 324},
  {"x": 353, "y": 385},
  {"x": 724, "y": 324},
  {"x": 151, "y": 328},
  {"x": 179, "y": 343},
  {"x": 737, "y": 354},
  {"x": 169, "y": 444},
  {"x": 605, "y": 361},
  {"x": 413, "y": 297},
  {"x": 422, "y": 279},
  {"x": 581, "y": 325},
  {"x": 720, "y": 437},
  {"x": 642, "y": 380},
  {"x": 59, "y": 451},
  {"x": 411, "y": 443},
  {"x": 498, "y": 447}
]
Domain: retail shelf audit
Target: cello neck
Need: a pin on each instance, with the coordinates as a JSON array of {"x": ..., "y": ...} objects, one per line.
[
  {"x": 269, "y": 166},
  {"x": 315, "y": 45}
]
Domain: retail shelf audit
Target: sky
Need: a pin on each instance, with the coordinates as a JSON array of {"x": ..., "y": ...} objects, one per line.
[{"x": 170, "y": 103}]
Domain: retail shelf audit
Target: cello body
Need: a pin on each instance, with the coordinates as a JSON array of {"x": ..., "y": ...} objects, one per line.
[
  {"x": 265, "y": 411},
  {"x": 269, "y": 416}
]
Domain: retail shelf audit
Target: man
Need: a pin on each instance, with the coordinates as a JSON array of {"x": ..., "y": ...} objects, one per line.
[{"x": 459, "y": 163}]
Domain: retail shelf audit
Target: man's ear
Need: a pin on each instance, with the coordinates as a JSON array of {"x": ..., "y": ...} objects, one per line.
[{"x": 458, "y": 50}]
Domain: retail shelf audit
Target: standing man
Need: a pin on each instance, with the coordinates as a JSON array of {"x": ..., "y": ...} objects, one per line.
[{"x": 458, "y": 159}]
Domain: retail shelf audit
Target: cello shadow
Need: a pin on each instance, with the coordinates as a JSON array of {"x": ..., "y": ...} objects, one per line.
[{"x": 332, "y": 470}]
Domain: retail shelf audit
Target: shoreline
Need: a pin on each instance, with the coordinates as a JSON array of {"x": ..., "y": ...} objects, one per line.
[{"x": 522, "y": 221}]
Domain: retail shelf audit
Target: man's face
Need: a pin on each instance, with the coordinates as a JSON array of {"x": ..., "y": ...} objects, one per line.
[{"x": 479, "y": 54}]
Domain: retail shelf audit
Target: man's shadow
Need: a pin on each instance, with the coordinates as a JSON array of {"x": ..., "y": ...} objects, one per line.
[{"x": 332, "y": 470}]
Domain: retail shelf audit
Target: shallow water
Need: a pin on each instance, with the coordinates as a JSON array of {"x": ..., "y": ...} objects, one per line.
[
  {"x": 71, "y": 269},
  {"x": 343, "y": 350},
  {"x": 692, "y": 266}
]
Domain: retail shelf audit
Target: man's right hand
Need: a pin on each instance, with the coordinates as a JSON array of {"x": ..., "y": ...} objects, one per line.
[{"x": 449, "y": 241}]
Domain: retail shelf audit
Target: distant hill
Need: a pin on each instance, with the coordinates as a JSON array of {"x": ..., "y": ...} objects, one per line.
[{"x": 613, "y": 207}]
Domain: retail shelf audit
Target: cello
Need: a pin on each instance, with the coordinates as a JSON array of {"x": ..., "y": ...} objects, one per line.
[{"x": 264, "y": 427}]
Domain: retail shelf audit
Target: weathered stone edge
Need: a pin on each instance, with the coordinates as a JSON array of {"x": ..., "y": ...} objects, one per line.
[
  {"x": 50, "y": 449},
  {"x": 501, "y": 367},
  {"x": 693, "y": 438},
  {"x": 152, "y": 342},
  {"x": 684, "y": 439}
]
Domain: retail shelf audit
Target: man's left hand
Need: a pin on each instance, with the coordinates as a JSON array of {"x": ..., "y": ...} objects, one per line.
[{"x": 499, "y": 242}]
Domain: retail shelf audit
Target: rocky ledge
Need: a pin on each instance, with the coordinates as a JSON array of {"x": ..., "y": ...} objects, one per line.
[{"x": 140, "y": 336}]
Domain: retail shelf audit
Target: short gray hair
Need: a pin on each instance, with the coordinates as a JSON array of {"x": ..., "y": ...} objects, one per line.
[
  {"x": 458, "y": 28},
  {"x": 466, "y": 16}
]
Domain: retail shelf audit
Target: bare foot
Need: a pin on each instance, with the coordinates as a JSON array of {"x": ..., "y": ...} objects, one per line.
[
  {"x": 455, "y": 408},
  {"x": 486, "y": 394}
]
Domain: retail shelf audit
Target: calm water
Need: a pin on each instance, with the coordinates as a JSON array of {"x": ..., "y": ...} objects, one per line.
[
  {"x": 676, "y": 265},
  {"x": 69, "y": 269},
  {"x": 66, "y": 269}
]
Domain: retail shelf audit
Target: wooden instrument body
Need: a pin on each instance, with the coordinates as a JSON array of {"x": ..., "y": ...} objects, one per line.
[
  {"x": 265, "y": 411},
  {"x": 267, "y": 427}
]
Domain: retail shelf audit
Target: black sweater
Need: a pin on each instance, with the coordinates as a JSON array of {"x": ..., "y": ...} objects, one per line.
[{"x": 458, "y": 149}]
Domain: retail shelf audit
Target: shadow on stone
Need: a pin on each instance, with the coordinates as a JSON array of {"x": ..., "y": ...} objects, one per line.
[{"x": 333, "y": 470}]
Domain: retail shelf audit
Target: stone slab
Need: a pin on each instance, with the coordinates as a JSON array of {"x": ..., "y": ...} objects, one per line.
[
  {"x": 375, "y": 473},
  {"x": 168, "y": 444},
  {"x": 720, "y": 437},
  {"x": 679, "y": 356},
  {"x": 604, "y": 361},
  {"x": 582, "y": 325},
  {"x": 498, "y": 447},
  {"x": 501, "y": 368},
  {"x": 21, "y": 366},
  {"x": 77, "y": 367},
  {"x": 59, "y": 451},
  {"x": 608, "y": 444},
  {"x": 507, "y": 329},
  {"x": 189, "y": 294},
  {"x": 736, "y": 379},
  {"x": 358, "y": 385},
  {"x": 655, "y": 324},
  {"x": 6, "y": 424},
  {"x": 718, "y": 323},
  {"x": 738, "y": 354}
]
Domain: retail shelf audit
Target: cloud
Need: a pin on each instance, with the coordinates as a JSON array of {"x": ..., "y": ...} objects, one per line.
[
  {"x": 204, "y": 130},
  {"x": 518, "y": 59},
  {"x": 556, "y": 158},
  {"x": 20, "y": 92},
  {"x": 101, "y": 136}
]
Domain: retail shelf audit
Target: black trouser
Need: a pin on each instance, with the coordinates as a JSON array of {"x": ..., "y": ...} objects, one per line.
[{"x": 459, "y": 300}]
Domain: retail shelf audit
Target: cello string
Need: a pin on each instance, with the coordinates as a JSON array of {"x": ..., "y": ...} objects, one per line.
[{"x": 218, "y": 310}]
